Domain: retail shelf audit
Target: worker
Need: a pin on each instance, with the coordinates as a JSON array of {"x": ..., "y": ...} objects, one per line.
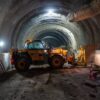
[
  {"x": 26, "y": 43},
  {"x": 81, "y": 56},
  {"x": 70, "y": 52},
  {"x": 94, "y": 72},
  {"x": 71, "y": 56}
]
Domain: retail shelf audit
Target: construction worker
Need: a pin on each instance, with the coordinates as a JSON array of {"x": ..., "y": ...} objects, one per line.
[
  {"x": 71, "y": 56},
  {"x": 81, "y": 56},
  {"x": 95, "y": 66},
  {"x": 27, "y": 42}
]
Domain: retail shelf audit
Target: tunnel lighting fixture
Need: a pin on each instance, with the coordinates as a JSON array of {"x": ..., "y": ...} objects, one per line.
[
  {"x": 1, "y": 43},
  {"x": 50, "y": 11}
]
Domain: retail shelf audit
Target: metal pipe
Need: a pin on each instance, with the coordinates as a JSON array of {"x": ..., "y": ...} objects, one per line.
[{"x": 86, "y": 12}]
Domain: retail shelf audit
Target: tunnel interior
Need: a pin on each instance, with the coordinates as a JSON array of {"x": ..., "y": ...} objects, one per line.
[
  {"x": 48, "y": 21},
  {"x": 55, "y": 28},
  {"x": 67, "y": 24}
]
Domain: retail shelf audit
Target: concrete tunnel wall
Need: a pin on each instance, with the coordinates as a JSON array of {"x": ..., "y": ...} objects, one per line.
[
  {"x": 8, "y": 26},
  {"x": 4, "y": 62},
  {"x": 17, "y": 14}
]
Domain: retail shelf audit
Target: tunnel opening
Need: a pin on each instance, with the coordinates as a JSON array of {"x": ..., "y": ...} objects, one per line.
[
  {"x": 44, "y": 24},
  {"x": 54, "y": 38},
  {"x": 54, "y": 34}
]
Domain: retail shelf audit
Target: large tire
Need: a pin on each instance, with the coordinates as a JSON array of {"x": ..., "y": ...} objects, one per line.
[
  {"x": 56, "y": 61},
  {"x": 22, "y": 64}
]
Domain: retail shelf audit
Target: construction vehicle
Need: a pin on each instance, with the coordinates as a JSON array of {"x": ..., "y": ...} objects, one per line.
[{"x": 38, "y": 52}]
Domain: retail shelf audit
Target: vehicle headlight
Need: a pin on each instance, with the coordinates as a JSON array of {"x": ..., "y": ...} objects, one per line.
[{"x": 45, "y": 51}]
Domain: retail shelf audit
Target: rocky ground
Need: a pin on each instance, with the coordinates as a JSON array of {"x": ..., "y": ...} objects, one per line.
[{"x": 47, "y": 84}]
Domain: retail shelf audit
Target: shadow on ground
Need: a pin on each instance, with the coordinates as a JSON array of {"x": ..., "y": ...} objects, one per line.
[
  {"x": 30, "y": 73},
  {"x": 36, "y": 72},
  {"x": 5, "y": 76}
]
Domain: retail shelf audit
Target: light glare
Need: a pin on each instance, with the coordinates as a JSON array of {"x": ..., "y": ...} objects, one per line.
[
  {"x": 50, "y": 11},
  {"x": 1, "y": 43}
]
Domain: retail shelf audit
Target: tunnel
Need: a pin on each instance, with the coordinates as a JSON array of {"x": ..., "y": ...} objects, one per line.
[
  {"x": 50, "y": 21},
  {"x": 64, "y": 25}
]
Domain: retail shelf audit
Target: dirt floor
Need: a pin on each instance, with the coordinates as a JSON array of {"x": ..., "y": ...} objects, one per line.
[{"x": 49, "y": 84}]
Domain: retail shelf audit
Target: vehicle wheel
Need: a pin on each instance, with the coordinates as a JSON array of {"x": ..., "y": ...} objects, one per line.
[
  {"x": 22, "y": 64},
  {"x": 56, "y": 61}
]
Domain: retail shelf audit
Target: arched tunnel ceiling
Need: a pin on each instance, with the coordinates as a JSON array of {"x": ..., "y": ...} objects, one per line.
[{"x": 22, "y": 19}]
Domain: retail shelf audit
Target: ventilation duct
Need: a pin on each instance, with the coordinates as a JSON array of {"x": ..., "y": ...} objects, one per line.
[{"x": 86, "y": 12}]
